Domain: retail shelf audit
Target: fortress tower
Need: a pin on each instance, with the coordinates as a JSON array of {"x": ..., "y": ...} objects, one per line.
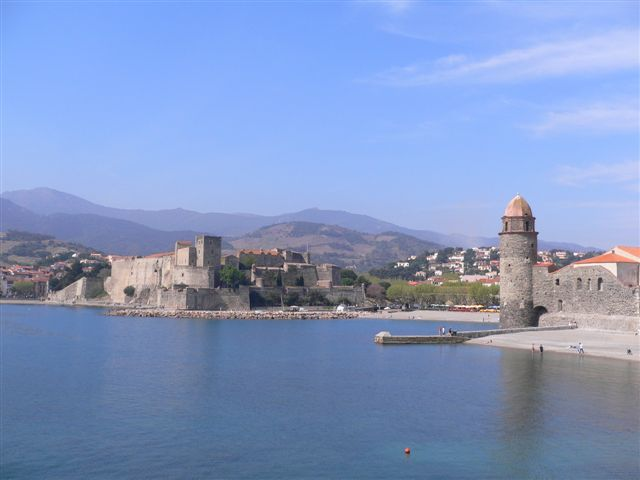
[
  {"x": 518, "y": 254},
  {"x": 208, "y": 251}
]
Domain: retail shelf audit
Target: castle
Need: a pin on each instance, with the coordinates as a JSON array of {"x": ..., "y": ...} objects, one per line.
[
  {"x": 189, "y": 277},
  {"x": 601, "y": 292}
]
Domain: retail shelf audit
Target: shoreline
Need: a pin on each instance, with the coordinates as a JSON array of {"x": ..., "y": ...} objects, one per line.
[
  {"x": 417, "y": 315},
  {"x": 436, "y": 315},
  {"x": 597, "y": 343},
  {"x": 7, "y": 301}
]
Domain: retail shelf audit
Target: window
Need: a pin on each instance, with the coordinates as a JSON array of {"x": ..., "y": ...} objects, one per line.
[
  {"x": 600, "y": 286},
  {"x": 579, "y": 284},
  {"x": 559, "y": 305},
  {"x": 526, "y": 226},
  {"x": 589, "y": 284},
  {"x": 506, "y": 226},
  {"x": 557, "y": 281}
]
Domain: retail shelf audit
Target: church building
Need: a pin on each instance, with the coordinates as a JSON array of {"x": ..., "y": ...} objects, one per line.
[{"x": 602, "y": 292}]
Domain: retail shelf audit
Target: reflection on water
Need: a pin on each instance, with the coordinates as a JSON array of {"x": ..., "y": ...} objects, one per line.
[{"x": 86, "y": 396}]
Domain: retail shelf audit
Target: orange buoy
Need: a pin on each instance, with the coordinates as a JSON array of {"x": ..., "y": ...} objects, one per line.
[{"x": 407, "y": 451}]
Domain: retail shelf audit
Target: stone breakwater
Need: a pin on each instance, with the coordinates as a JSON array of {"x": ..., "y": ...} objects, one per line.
[{"x": 230, "y": 314}]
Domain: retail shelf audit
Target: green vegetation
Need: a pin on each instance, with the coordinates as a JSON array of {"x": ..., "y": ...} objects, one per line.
[
  {"x": 348, "y": 277},
  {"x": 456, "y": 293},
  {"x": 129, "y": 291},
  {"x": 18, "y": 236},
  {"x": 24, "y": 289},
  {"x": 231, "y": 277},
  {"x": 25, "y": 248},
  {"x": 71, "y": 274},
  {"x": 247, "y": 261},
  {"x": 76, "y": 272}
]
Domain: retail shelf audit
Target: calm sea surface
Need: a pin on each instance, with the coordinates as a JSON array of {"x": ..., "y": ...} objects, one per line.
[{"x": 88, "y": 396}]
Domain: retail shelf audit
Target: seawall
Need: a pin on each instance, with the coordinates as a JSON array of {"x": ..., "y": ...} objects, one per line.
[
  {"x": 385, "y": 338},
  {"x": 231, "y": 314}
]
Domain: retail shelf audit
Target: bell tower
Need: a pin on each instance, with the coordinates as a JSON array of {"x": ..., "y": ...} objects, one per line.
[{"x": 518, "y": 254}]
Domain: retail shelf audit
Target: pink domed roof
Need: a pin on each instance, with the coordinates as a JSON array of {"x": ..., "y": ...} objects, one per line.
[{"x": 518, "y": 207}]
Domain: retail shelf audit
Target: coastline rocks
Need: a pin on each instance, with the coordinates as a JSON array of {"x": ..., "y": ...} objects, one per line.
[{"x": 231, "y": 314}]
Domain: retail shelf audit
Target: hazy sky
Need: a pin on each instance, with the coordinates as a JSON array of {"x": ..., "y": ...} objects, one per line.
[{"x": 427, "y": 115}]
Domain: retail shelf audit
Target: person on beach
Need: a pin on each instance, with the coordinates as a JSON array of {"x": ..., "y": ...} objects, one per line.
[
  {"x": 541, "y": 348},
  {"x": 533, "y": 347},
  {"x": 580, "y": 348}
]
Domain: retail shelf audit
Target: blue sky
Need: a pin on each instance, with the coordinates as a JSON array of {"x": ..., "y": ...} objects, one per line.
[{"x": 430, "y": 115}]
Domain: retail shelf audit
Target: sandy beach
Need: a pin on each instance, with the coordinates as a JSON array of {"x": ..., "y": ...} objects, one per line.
[
  {"x": 475, "y": 317},
  {"x": 597, "y": 343}
]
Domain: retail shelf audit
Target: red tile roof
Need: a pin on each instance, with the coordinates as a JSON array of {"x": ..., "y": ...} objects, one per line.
[
  {"x": 606, "y": 258},
  {"x": 635, "y": 251}
]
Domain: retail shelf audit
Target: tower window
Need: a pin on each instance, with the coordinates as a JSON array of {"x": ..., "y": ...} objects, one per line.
[
  {"x": 600, "y": 286},
  {"x": 579, "y": 284},
  {"x": 559, "y": 305},
  {"x": 526, "y": 226},
  {"x": 589, "y": 284},
  {"x": 506, "y": 226},
  {"x": 557, "y": 281}
]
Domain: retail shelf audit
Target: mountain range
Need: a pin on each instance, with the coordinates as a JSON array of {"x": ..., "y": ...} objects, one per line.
[{"x": 355, "y": 238}]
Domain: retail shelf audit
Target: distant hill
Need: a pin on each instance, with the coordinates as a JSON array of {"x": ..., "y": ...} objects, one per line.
[
  {"x": 46, "y": 201},
  {"x": 23, "y": 248},
  {"x": 328, "y": 243},
  {"x": 337, "y": 245},
  {"x": 109, "y": 235}
]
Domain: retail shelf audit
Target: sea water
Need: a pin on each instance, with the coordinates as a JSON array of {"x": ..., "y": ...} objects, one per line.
[{"x": 84, "y": 395}]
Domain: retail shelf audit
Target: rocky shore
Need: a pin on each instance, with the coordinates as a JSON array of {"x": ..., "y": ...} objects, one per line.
[{"x": 231, "y": 314}]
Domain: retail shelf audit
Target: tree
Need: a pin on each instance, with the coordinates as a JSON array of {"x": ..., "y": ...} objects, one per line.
[
  {"x": 129, "y": 291},
  {"x": 362, "y": 280},
  {"x": 348, "y": 277},
  {"x": 231, "y": 277},
  {"x": 23, "y": 289},
  {"x": 442, "y": 257},
  {"x": 71, "y": 275},
  {"x": 376, "y": 291},
  {"x": 247, "y": 262}
]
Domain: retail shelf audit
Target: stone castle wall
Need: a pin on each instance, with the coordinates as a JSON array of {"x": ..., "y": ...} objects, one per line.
[
  {"x": 80, "y": 290},
  {"x": 328, "y": 274},
  {"x": 629, "y": 274},
  {"x": 261, "y": 259},
  {"x": 204, "y": 299},
  {"x": 293, "y": 273},
  {"x": 622, "y": 323},
  {"x": 140, "y": 273},
  {"x": 335, "y": 295},
  {"x": 186, "y": 256},
  {"x": 578, "y": 290},
  {"x": 194, "y": 277}
]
